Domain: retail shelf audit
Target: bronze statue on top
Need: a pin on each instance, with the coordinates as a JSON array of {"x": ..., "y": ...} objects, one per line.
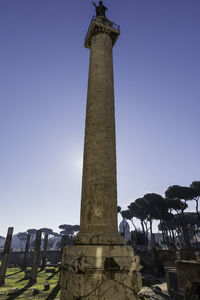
[{"x": 100, "y": 9}]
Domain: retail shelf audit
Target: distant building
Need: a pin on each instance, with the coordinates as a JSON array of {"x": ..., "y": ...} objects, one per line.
[
  {"x": 124, "y": 230},
  {"x": 2, "y": 241}
]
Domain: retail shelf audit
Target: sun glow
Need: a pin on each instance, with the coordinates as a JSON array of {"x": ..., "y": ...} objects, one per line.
[{"x": 78, "y": 164}]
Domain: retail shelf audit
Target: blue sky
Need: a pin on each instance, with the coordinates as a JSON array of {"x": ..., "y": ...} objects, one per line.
[{"x": 43, "y": 87}]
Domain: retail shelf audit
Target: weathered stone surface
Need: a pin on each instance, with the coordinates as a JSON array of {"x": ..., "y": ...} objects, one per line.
[
  {"x": 34, "y": 269},
  {"x": 101, "y": 24},
  {"x": 99, "y": 266},
  {"x": 149, "y": 293},
  {"x": 100, "y": 272},
  {"x": 171, "y": 279},
  {"x": 98, "y": 223},
  {"x": 188, "y": 275},
  {"x": 6, "y": 252},
  {"x": 44, "y": 254},
  {"x": 63, "y": 242},
  {"x": 26, "y": 251}
]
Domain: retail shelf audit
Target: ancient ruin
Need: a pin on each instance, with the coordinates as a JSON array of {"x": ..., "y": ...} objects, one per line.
[
  {"x": 35, "y": 264},
  {"x": 5, "y": 255},
  {"x": 99, "y": 265},
  {"x": 26, "y": 252},
  {"x": 44, "y": 254},
  {"x": 160, "y": 232},
  {"x": 183, "y": 280}
]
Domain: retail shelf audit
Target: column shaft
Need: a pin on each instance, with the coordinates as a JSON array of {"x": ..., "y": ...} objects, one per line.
[
  {"x": 26, "y": 251},
  {"x": 99, "y": 186}
]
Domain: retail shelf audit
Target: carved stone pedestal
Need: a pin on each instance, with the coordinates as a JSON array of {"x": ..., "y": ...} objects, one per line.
[{"x": 100, "y": 272}]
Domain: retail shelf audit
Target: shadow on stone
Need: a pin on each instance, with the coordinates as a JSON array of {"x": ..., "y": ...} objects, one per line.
[{"x": 110, "y": 264}]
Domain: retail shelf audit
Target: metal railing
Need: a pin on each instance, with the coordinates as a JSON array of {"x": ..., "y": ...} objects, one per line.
[
  {"x": 103, "y": 21},
  {"x": 106, "y": 22}
]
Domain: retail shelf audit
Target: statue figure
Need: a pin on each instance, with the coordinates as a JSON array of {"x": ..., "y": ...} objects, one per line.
[{"x": 100, "y": 9}]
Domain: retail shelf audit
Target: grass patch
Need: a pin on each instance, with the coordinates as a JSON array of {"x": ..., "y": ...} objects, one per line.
[{"x": 14, "y": 280}]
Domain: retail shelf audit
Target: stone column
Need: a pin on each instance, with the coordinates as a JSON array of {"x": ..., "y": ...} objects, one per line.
[
  {"x": 99, "y": 265},
  {"x": 63, "y": 242},
  {"x": 6, "y": 252},
  {"x": 26, "y": 251},
  {"x": 36, "y": 254},
  {"x": 44, "y": 254},
  {"x": 98, "y": 223}
]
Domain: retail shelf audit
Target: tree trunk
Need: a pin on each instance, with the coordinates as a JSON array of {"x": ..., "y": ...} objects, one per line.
[
  {"x": 184, "y": 230},
  {"x": 194, "y": 233},
  {"x": 167, "y": 238},
  {"x": 173, "y": 239},
  {"x": 197, "y": 207},
  {"x": 133, "y": 225},
  {"x": 163, "y": 236},
  {"x": 147, "y": 241},
  {"x": 142, "y": 228},
  {"x": 179, "y": 238},
  {"x": 151, "y": 231}
]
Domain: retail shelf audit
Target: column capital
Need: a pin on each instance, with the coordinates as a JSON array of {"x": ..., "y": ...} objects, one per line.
[{"x": 102, "y": 25}]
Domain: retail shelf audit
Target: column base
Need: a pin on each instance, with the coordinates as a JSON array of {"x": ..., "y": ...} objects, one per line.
[
  {"x": 85, "y": 238},
  {"x": 93, "y": 272}
]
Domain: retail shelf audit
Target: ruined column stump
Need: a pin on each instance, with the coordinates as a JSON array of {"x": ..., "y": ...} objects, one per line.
[
  {"x": 6, "y": 252},
  {"x": 36, "y": 256},
  {"x": 26, "y": 251},
  {"x": 44, "y": 254}
]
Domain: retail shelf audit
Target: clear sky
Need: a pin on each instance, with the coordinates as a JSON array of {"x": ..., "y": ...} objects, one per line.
[{"x": 43, "y": 87}]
